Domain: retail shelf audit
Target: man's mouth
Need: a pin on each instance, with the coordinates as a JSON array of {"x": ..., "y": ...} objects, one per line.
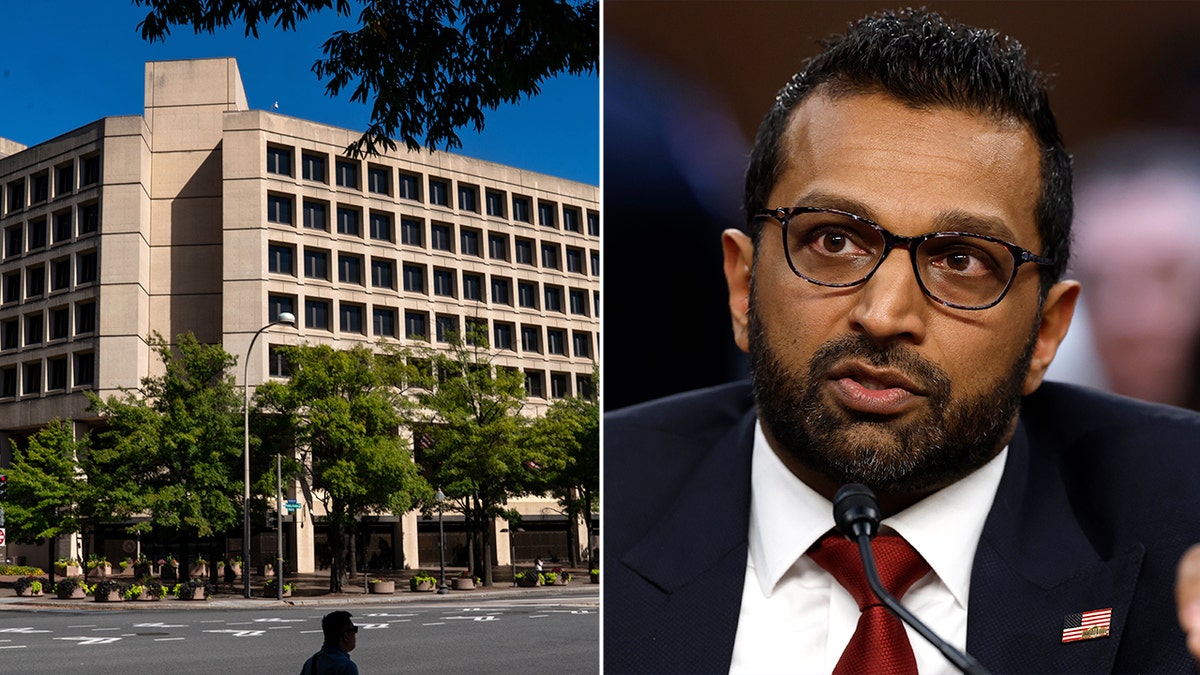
[{"x": 874, "y": 391}]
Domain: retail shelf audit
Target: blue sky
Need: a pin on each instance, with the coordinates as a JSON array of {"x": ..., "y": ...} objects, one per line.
[{"x": 65, "y": 63}]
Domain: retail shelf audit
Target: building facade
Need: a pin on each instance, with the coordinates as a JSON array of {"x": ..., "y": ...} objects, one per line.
[{"x": 203, "y": 215}]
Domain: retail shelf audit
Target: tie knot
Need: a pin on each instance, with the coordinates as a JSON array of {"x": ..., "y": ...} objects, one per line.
[{"x": 900, "y": 566}]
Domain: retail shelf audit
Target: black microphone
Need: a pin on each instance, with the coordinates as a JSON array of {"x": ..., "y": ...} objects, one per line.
[{"x": 856, "y": 512}]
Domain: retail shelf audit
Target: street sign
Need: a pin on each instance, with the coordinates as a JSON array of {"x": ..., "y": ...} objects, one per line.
[
  {"x": 291, "y": 505},
  {"x": 2, "y": 536}
]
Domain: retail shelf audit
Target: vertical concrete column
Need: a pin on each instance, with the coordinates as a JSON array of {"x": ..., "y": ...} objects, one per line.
[{"x": 408, "y": 526}]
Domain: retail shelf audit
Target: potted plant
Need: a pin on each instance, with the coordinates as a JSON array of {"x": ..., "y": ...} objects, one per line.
[
  {"x": 151, "y": 590},
  {"x": 108, "y": 590},
  {"x": 67, "y": 567},
  {"x": 594, "y": 574},
  {"x": 168, "y": 568},
  {"x": 199, "y": 568},
  {"x": 465, "y": 581},
  {"x": 269, "y": 590},
  {"x": 28, "y": 586},
  {"x": 556, "y": 577},
  {"x": 422, "y": 582},
  {"x": 529, "y": 579},
  {"x": 193, "y": 589},
  {"x": 384, "y": 586},
  {"x": 99, "y": 566},
  {"x": 71, "y": 588},
  {"x": 142, "y": 567},
  {"x": 233, "y": 564}
]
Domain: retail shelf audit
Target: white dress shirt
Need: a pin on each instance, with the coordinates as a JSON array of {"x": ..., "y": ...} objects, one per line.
[{"x": 795, "y": 618}]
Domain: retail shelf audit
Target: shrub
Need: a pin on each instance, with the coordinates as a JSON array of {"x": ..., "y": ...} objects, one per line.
[
  {"x": 29, "y": 582},
  {"x": 105, "y": 587},
  {"x": 22, "y": 570}
]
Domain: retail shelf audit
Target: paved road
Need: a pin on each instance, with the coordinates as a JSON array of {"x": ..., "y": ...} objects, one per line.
[{"x": 508, "y": 635}]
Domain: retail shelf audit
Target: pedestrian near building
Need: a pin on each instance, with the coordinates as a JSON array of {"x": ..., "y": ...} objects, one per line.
[{"x": 341, "y": 637}]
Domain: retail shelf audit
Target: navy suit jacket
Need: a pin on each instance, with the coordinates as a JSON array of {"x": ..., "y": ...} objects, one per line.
[{"x": 1100, "y": 497}]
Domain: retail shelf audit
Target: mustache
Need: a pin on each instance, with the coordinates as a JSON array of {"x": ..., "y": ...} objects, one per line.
[{"x": 893, "y": 356}]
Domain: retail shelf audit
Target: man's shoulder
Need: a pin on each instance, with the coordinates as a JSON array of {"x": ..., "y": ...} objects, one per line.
[
  {"x": 692, "y": 413},
  {"x": 1085, "y": 413}
]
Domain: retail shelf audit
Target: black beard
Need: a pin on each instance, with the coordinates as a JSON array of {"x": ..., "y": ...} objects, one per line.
[{"x": 947, "y": 443}]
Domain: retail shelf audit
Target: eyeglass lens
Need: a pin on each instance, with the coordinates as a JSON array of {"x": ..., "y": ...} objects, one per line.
[{"x": 837, "y": 250}]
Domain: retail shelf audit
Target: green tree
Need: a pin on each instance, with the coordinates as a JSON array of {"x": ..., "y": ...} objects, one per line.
[
  {"x": 482, "y": 449},
  {"x": 173, "y": 449},
  {"x": 577, "y": 484},
  {"x": 343, "y": 411},
  {"x": 49, "y": 495},
  {"x": 428, "y": 68}
]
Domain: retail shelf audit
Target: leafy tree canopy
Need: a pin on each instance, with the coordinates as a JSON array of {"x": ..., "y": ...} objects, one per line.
[
  {"x": 47, "y": 491},
  {"x": 428, "y": 68}
]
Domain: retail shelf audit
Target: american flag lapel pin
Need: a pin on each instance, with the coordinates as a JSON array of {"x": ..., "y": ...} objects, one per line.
[{"x": 1087, "y": 625}]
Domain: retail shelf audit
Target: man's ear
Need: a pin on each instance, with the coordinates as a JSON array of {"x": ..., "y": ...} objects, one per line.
[
  {"x": 1056, "y": 318},
  {"x": 739, "y": 260}
]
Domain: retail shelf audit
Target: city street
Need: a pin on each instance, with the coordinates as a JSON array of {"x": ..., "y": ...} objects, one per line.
[{"x": 500, "y": 635}]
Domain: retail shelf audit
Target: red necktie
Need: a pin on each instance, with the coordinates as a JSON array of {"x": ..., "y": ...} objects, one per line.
[{"x": 879, "y": 644}]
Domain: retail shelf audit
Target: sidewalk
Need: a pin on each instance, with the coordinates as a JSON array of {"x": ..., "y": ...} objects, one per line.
[{"x": 313, "y": 590}]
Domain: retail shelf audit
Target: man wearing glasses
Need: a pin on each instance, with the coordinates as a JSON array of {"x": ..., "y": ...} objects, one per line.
[
  {"x": 341, "y": 637},
  {"x": 899, "y": 290}
]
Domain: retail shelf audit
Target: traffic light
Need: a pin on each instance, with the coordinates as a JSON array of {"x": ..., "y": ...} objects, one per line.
[{"x": 3, "y": 486}]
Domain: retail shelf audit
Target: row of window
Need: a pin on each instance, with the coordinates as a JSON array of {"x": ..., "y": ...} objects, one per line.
[
  {"x": 58, "y": 228},
  {"x": 385, "y": 321},
  {"x": 379, "y": 226},
  {"x": 434, "y": 190},
  {"x": 58, "y": 275},
  {"x": 49, "y": 326},
  {"x": 35, "y": 188},
  {"x": 53, "y": 374}
]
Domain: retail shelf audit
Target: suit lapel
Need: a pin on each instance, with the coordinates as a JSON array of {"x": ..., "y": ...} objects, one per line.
[
  {"x": 1034, "y": 567},
  {"x": 695, "y": 556}
]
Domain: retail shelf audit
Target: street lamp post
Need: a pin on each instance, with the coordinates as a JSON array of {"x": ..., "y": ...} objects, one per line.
[
  {"x": 440, "y": 498},
  {"x": 289, "y": 319}
]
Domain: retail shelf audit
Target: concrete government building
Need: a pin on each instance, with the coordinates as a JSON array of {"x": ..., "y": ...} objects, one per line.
[{"x": 203, "y": 215}]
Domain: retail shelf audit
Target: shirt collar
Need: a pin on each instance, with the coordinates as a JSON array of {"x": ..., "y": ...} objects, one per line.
[{"x": 787, "y": 517}]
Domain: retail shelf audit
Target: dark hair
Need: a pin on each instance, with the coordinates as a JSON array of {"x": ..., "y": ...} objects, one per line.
[
  {"x": 336, "y": 624},
  {"x": 923, "y": 60}
]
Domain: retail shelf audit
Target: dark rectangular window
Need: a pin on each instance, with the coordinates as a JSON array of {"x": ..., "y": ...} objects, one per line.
[
  {"x": 524, "y": 252},
  {"x": 414, "y": 278},
  {"x": 381, "y": 227},
  {"x": 527, "y": 294},
  {"x": 556, "y": 342},
  {"x": 85, "y": 317},
  {"x": 595, "y": 255},
  {"x": 33, "y": 378},
  {"x": 470, "y": 242},
  {"x": 502, "y": 336},
  {"x": 281, "y": 259},
  {"x": 313, "y": 167},
  {"x": 550, "y": 256},
  {"x": 501, "y": 291},
  {"x": 476, "y": 332},
  {"x": 86, "y": 267},
  {"x": 350, "y": 269},
  {"x": 60, "y": 274},
  {"x": 12, "y": 287},
  {"x": 571, "y": 219},
  {"x": 89, "y": 218},
  {"x": 468, "y": 198},
  {"x": 60, "y": 323},
  {"x": 531, "y": 339},
  {"x": 39, "y": 188},
  {"x": 34, "y": 329},
  {"x": 89, "y": 173},
  {"x": 279, "y": 160},
  {"x": 350, "y": 318},
  {"x": 593, "y": 223},
  {"x": 578, "y": 300},
  {"x": 347, "y": 175},
  {"x": 521, "y": 209},
  {"x": 498, "y": 246},
  {"x": 383, "y": 273},
  {"x": 416, "y": 325},
  {"x": 439, "y": 192},
  {"x": 35, "y": 281},
  {"x": 439, "y": 237},
  {"x": 16, "y": 195},
  {"x": 412, "y": 232},
  {"x": 582, "y": 344},
  {"x": 63, "y": 227},
  {"x": 10, "y": 334},
  {"x": 37, "y": 234},
  {"x": 56, "y": 374},
  {"x": 533, "y": 383},
  {"x": 379, "y": 180},
  {"x": 279, "y": 304},
  {"x": 560, "y": 386},
  {"x": 575, "y": 260},
  {"x": 279, "y": 209},
  {"x": 596, "y": 302},
  {"x": 410, "y": 187},
  {"x": 8, "y": 382},
  {"x": 443, "y": 282},
  {"x": 316, "y": 314},
  {"x": 554, "y": 298},
  {"x": 314, "y": 216},
  {"x": 445, "y": 326},
  {"x": 347, "y": 221},
  {"x": 14, "y": 241},
  {"x": 85, "y": 369},
  {"x": 279, "y": 365},
  {"x": 472, "y": 287},
  {"x": 384, "y": 319},
  {"x": 495, "y": 203},
  {"x": 64, "y": 179},
  {"x": 546, "y": 214},
  {"x": 316, "y": 264}
]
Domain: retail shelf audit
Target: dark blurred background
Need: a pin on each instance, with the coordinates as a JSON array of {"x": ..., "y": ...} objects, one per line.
[{"x": 686, "y": 83}]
